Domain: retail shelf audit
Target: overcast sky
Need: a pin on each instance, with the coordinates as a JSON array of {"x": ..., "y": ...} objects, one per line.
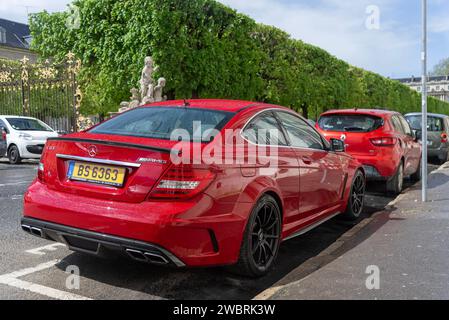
[{"x": 338, "y": 26}]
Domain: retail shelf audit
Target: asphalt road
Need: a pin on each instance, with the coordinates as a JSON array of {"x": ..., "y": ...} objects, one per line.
[{"x": 31, "y": 268}]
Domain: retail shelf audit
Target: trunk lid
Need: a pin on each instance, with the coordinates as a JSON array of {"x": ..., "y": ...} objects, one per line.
[{"x": 144, "y": 161}]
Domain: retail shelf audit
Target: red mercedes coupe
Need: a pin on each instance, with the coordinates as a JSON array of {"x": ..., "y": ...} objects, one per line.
[{"x": 193, "y": 183}]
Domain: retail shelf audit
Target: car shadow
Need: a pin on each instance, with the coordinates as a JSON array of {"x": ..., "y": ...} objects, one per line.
[{"x": 216, "y": 283}]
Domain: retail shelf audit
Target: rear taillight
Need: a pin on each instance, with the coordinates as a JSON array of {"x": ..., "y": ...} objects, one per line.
[
  {"x": 384, "y": 142},
  {"x": 444, "y": 137},
  {"x": 40, "y": 172},
  {"x": 3, "y": 135},
  {"x": 181, "y": 182}
]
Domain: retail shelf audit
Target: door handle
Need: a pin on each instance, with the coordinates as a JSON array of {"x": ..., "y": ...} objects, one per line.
[{"x": 307, "y": 160}]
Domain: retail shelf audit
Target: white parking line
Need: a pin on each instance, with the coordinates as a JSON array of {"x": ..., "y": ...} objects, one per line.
[
  {"x": 12, "y": 280},
  {"x": 41, "y": 250},
  {"x": 14, "y": 183}
]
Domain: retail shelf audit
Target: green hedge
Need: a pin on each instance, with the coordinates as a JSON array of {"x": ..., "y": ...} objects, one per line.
[{"x": 206, "y": 50}]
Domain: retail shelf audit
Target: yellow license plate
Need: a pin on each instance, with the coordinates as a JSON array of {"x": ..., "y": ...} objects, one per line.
[{"x": 95, "y": 173}]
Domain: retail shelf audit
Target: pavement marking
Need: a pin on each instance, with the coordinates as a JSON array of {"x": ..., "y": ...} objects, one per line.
[
  {"x": 15, "y": 183},
  {"x": 41, "y": 250},
  {"x": 12, "y": 280}
]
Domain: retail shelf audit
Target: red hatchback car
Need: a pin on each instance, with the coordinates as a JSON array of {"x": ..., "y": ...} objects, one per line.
[
  {"x": 129, "y": 185},
  {"x": 381, "y": 140}
]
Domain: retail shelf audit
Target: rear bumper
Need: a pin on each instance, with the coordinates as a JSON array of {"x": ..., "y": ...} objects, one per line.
[
  {"x": 200, "y": 232},
  {"x": 379, "y": 167},
  {"x": 95, "y": 243}
]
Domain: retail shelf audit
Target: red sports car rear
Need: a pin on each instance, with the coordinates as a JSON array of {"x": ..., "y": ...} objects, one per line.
[{"x": 134, "y": 184}]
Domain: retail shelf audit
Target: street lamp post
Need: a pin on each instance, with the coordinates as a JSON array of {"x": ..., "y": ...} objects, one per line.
[{"x": 424, "y": 101}]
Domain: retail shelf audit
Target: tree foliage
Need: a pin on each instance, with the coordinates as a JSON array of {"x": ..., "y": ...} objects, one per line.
[
  {"x": 442, "y": 68},
  {"x": 207, "y": 50}
]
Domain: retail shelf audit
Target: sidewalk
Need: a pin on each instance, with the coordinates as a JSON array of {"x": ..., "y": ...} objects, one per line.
[{"x": 409, "y": 243}]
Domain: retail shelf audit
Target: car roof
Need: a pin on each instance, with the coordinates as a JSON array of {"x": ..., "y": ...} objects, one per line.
[
  {"x": 435, "y": 115},
  {"x": 373, "y": 112},
  {"x": 216, "y": 104},
  {"x": 12, "y": 116}
]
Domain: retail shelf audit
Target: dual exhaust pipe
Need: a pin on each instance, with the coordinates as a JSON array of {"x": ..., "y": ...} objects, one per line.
[
  {"x": 33, "y": 230},
  {"x": 149, "y": 257},
  {"x": 138, "y": 255}
]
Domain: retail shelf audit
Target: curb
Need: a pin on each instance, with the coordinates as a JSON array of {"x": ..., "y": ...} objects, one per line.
[{"x": 326, "y": 256}]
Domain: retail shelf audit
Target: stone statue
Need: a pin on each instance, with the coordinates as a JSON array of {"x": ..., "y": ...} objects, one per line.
[
  {"x": 158, "y": 90},
  {"x": 124, "y": 106},
  {"x": 135, "y": 99},
  {"x": 147, "y": 76},
  {"x": 149, "y": 92},
  {"x": 149, "y": 98}
]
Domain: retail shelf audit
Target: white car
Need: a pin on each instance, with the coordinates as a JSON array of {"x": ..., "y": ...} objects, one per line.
[{"x": 25, "y": 137}]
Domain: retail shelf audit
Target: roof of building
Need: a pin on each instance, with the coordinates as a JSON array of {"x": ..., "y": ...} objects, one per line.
[
  {"x": 16, "y": 34},
  {"x": 418, "y": 79}
]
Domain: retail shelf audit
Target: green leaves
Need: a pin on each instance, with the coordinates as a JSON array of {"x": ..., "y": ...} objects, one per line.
[{"x": 207, "y": 50}]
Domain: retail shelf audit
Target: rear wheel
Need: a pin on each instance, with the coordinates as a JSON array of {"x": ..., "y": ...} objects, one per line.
[
  {"x": 14, "y": 155},
  {"x": 356, "y": 198},
  {"x": 261, "y": 240},
  {"x": 396, "y": 183}
]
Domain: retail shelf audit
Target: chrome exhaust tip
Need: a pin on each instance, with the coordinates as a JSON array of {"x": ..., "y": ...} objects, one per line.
[
  {"x": 36, "y": 231},
  {"x": 136, "y": 255},
  {"x": 26, "y": 228},
  {"x": 155, "y": 258}
]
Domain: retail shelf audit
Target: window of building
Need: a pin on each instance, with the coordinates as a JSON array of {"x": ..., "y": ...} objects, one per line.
[{"x": 2, "y": 35}]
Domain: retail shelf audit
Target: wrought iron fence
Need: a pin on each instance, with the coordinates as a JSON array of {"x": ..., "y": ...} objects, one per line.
[{"x": 47, "y": 91}]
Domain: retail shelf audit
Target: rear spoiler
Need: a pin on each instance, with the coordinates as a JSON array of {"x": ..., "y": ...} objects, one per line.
[{"x": 113, "y": 143}]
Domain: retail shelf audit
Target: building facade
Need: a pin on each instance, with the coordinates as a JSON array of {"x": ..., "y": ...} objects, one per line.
[
  {"x": 437, "y": 87},
  {"x": 15, "y": 41}
]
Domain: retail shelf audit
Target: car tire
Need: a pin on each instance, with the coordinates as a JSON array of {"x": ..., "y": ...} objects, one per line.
[
  {"x": 396, "y": 183},
  {"x": 261, "y": 241},
  {"x": 356, "y": 198},
  {"x": 14, "y": 155},
  {"x": 417, "y": 176}
]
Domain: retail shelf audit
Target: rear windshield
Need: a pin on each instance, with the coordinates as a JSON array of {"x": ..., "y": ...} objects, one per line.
[
  {"x": 23, "y": 124},
  {"x": 433, "y": 124},
  {"x": 161, "y": 122},
  {"x": 350, "y": 123}
]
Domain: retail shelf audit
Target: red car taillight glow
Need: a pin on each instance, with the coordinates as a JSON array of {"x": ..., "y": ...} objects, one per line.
[
  {"x": 3, "y": 135},
  {"x": 181, "y": 182},
  {"x": 444, "y": 137},
  {"x": 384, "y": 142}
]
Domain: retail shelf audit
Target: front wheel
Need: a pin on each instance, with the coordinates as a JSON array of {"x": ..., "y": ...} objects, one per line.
[
  {"x": 396, "y": 183},
  {"x": 261, "y": 240},
  {"x": 14, "y": 155},
  {"x": 356, "y": 198}
]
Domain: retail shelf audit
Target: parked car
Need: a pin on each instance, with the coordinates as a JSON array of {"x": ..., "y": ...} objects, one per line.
[
  {"x": 2, "y": 141},
  {"x": 25, "y": 137},
  {"x": 381, "y": 140},
  {"x": 437, "y": 134},
  {"x": 119, "y": 176}
]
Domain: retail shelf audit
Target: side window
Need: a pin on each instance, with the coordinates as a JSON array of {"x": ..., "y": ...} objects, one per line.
[
  {"x": 301, "y": 134},
  {"x": 405, "y": 125},
  {"x": 397, "y": 124},
  {"x": 265, "y": 130}
]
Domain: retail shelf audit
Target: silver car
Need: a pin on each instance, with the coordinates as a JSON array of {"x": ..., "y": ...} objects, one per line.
[{"x": 438, "y": 134}]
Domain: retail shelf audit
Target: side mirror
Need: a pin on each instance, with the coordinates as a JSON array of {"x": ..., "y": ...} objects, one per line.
[
  {"x": 337, "y": 145},
  {"x": 417, "y": 135}
]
